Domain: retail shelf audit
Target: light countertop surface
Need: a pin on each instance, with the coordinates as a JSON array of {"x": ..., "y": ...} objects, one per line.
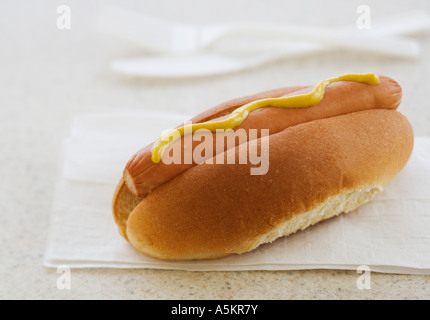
[{"x": 47, "y": 76}]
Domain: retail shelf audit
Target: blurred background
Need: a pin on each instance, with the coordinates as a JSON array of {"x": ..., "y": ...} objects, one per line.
[{"x": 49, "y": 74}]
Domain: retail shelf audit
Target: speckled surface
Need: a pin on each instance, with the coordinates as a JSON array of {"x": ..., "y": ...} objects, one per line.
[{"x": 47, "y": 76}]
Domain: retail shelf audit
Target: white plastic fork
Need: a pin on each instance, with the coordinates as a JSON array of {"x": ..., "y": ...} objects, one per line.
[
  {"x": 174, "y": 38},
  {"x": 188, "y": 51}
]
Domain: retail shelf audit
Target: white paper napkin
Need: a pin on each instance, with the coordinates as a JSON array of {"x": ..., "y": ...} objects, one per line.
[{"x": 389, "y": 234}]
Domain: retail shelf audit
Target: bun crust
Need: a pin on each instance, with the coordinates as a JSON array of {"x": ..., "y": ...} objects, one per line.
[{"x": 318, "y": 169}]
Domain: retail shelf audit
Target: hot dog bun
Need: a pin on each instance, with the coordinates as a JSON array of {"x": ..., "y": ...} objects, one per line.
[{"x": 320, "y": 167}]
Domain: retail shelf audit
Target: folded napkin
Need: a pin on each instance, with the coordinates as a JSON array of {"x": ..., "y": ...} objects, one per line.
[{"x": 389, "y": 234}]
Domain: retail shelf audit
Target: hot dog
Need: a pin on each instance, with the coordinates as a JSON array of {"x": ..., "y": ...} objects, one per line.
[
  {"x": 143, "y": 175},
  {"x": 324, "y": 159}
]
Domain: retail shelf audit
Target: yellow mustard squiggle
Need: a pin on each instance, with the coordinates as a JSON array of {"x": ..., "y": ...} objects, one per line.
[{"x": 239, "y": 115}]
